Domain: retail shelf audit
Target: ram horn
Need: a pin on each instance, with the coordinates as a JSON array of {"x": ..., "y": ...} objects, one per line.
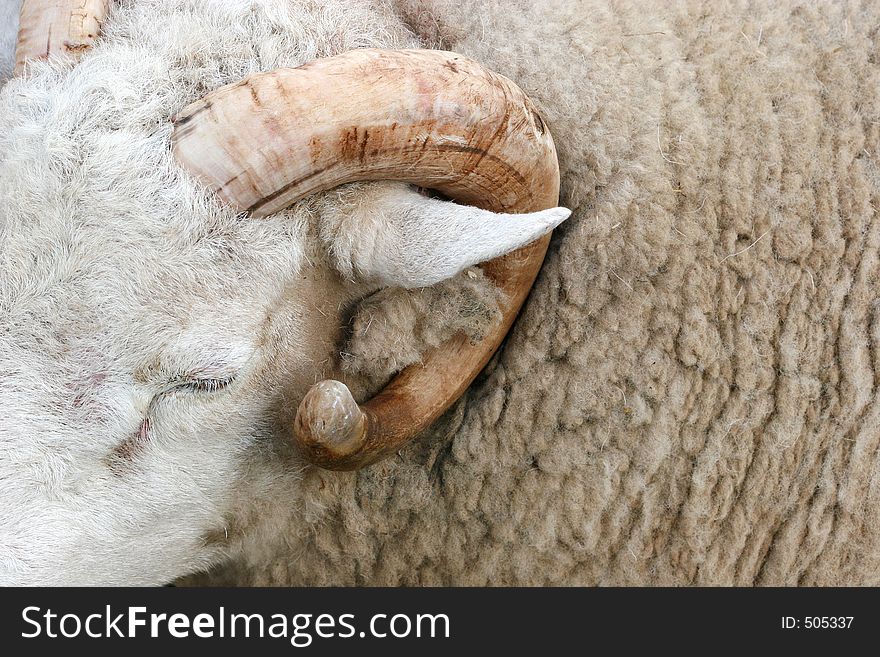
[
  {"x": 56, "y": 27},
  {"x": 435, "y": 119},
  {"x": 431, "y": 118}
]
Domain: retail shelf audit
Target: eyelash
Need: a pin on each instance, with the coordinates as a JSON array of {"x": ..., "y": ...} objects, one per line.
[{"x": 204, "y": 385}]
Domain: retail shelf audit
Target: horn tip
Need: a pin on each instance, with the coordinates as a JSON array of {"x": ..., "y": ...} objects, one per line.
[{"x": 329, "y": 423}]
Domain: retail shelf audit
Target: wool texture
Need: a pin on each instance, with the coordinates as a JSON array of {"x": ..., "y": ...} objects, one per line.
[{"x": 690, "y": 395}]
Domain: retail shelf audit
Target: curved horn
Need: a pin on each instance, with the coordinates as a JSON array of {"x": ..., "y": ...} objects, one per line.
[
  {"x": 52, "y": 27},
  {"x": 435, "y": 119},
  {"x": 432, "y": 118}
]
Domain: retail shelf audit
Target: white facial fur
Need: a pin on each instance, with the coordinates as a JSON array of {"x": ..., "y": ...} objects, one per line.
[{"x": 150, "y": 337}]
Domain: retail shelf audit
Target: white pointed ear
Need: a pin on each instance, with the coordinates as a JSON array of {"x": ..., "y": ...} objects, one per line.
[{"x": 395, "y": 236}]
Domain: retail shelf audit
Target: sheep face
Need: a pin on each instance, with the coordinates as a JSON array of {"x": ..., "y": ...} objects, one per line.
[
  {"x": 138, "y": 371},
  {"x": 154, "y": 341}
]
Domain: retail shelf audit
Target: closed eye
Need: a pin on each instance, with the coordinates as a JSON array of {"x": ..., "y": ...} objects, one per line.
[{"x": 126, "y": 452}]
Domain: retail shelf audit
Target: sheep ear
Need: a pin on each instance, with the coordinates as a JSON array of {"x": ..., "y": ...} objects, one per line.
[{"x": 398, "y": 236}]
